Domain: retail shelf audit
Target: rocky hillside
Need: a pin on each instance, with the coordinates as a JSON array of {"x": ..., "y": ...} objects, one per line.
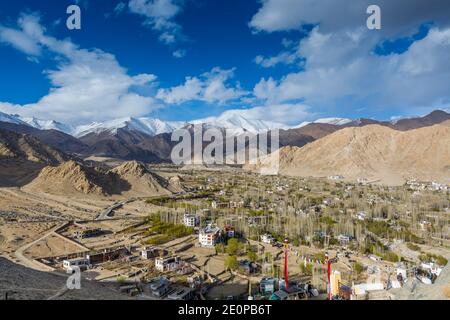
[
  {"x": 141, "y": 181},
  {"x": 72, "y": 178},
  {"x": 25, "y": 147},
  {"x": 53, "y": 138}
]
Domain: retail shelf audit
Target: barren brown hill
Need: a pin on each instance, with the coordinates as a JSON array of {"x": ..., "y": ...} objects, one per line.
[
  {"x": 435, "y": 117},
  {"x": 25, "y": 147},
  {"x": 374, "y": 152},
  {"x": 22, "y": 157},
  {"x": 72, "y": 178},
  {"x": 141, "y": 181},
  {"x": 176, "y": 184},
  {"x": 299, "y": 137}
]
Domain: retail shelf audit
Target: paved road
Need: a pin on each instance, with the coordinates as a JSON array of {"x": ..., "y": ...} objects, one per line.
[{"x": 106, "y": 213}]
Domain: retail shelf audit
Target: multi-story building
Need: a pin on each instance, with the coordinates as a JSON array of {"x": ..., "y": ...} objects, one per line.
[
  {"x": 190, "y": 220},
  {"x": 209, "y": 236}
]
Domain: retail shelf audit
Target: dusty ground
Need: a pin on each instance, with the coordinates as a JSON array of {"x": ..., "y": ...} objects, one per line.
[
  {"x": 52, "y": 245},
  {"x": 25, "y": 217},
  {"x": 21, "y": 283}
]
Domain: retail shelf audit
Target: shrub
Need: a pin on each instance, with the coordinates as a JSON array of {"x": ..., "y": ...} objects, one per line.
[
  {"x": 412, "y": 246},
  {"x": 220, "y": 248},
  {"x": 251, "y": 255},
  {"x": 358, "y": 267},
  {"x": 159, "y": 239},
  {"x": 391, "y": 256},
  {"x": 427, "y": 257}
]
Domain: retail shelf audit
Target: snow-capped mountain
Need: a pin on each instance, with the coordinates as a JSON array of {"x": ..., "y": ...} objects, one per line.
[
  {"x": 11, "y": 118},
  {"x": 35, "y": 123},
  {"x": 47, "y": 125},
  {"x": 236, "y": 124},
  {"x": 334, "y": 121},
  {"x": 150, "y": 126},
  {"x": 233, "y": 122}
]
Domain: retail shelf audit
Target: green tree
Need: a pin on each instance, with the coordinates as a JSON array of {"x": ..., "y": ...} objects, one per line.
[
  {"x": 233, "y": 246},
  {"x": 251, "y": 255},
  {"x": 231, "y": 263}
]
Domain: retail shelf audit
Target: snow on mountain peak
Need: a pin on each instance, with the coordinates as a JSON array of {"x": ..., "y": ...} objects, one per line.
[
  {"x": 234, "y": 122},
  {"x": 150, "y": 126},
  {"x": 47, "y": 124},
  {"x": 13, "y": 118},
  {"x": 333, "y": 121},
  {"x": 237, "y": 124}
]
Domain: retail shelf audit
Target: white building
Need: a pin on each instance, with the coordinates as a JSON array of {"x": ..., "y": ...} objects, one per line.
[
  {"x": 82, "y": 263},
  {"x": 167, "y": 264},
  {"x": 361, "y": 215},
  {"x": 336, "y": 177},
  {"x": 344, "y": 239},
  {"x": 190, "y": 220},
  {"x": 209, "y": 236},
  {"x": 267, "y": 238}
]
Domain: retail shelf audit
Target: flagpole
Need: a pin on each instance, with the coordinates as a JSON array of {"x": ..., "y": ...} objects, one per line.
[
  {"x": 328, "y": 276},
  {"x": 286, "y": 246}
]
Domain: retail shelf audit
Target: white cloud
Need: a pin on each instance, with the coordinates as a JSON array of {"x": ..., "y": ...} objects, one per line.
[
  {"x": 398, "y": 17},
  {"x": 179, "y": 53},
  {"x": 87, "y": 85},
  {"x": 159, "y": 15},
  {"x": 339, "y": 67},
  {"x": 24, "y": 39},
  {"x": 286, "y": 58},
  {"x": 120, "y": 7},
  {"x": 341, "y": 71},
  {"x": 210, "y": 87}
]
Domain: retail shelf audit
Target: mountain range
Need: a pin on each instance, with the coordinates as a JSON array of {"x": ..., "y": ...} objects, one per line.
[
  {"x": 149, "y": 139},
  {"x": 373, "y": 152}
]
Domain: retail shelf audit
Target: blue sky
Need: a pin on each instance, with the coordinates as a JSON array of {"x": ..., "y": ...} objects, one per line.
[{"x": 276, "y": 60}]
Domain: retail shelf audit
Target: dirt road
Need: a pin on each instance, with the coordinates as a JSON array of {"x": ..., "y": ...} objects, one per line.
[{"x": 32, "y": 263}]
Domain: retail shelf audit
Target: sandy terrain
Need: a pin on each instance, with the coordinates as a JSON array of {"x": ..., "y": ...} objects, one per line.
[{"x": 51, "y": 246}]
